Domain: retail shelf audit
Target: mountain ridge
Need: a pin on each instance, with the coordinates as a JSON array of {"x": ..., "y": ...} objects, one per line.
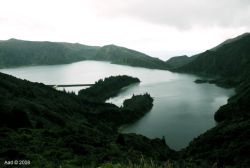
[
  {"x": 228, "y": 59},
  {"x": 226, "y": 144},
  {"x": 14, "y": 52},
  {"x": 125, "y": 56}
]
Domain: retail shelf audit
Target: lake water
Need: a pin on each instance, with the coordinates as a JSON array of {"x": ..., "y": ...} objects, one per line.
[{"x": 182, "y": 109}]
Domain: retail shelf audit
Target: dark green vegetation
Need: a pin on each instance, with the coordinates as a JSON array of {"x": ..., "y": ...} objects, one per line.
[
  {"x": 20, "y": 53},
  {"x": 226, "y": 144},
  {"x": 220, "y": 82},
  {"x": 228, "y": 60},
  {"x": 139, "y": 104},
  {"x": 169, "y": 164},
  {"x": 201, "y": 81},
  {"x": 52, "y": 128},
  {"x": 107, "y": 88},
  {"x": 229, "y": 142}
]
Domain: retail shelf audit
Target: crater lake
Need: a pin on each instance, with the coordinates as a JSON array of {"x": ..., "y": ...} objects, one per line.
[{"x": 182, "y": 109}]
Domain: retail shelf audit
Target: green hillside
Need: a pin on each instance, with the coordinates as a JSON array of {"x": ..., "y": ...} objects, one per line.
[
  {"x": 125, "y": 56},
  {"x": 178, "y": 61},
  {"x": 15, "y": 52},
  {"x": 51, "y": 128},
  {"x": 19, "y": 53},
  {"x": 228, "y": 60},
  {"x": 228, "y": 142}
]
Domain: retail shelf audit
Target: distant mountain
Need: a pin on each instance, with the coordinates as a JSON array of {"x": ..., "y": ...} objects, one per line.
[
  {"x": 125, "y": 56},
  {"x": 54, "y": 128},
  {"x": 18, "y": 53},
  {"x": 229, "y": 59},
  {"x": 15, "y": 52},
  {"x": 179, "y": 61}
]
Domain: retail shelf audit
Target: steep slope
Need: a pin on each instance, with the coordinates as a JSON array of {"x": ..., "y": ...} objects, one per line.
[
  {"x": 228, "y": 60},
  {"x": 228, "y": 142},
  {"x": 238, "y": 106},
  {"x": 230, "y": 41},
  {"x": 125, "y": 56},
  {"x": 52, "y": 128},
  {"x": 40, "y": 105},
  {"x": 18, "y": 53}
]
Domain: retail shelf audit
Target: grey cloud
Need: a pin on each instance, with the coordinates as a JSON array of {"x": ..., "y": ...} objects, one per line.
[{"x": 180, "y": 13}]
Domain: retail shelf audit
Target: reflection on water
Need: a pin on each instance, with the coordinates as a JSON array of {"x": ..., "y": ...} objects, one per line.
[{"x": 182, "y": 109}]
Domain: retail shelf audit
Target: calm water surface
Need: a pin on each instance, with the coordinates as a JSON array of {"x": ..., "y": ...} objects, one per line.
[{"x": 182, "y": 109}]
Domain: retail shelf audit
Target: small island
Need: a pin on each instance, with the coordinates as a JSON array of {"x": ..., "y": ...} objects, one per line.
[
  {"x": 225, "y": 83},
  {"x": 133, "y": 109},
  {"x": 210, "y": 81},
  {"x": 201, "y": 81},
  {"x": 107, "y": 88},
  {"x": 139, "y": 102},
  {"x": 138, "y": 105}
]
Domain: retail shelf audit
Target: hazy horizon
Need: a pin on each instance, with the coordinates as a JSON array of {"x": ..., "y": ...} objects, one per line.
[
  {"x": 163, "y": 55},
  {"x": 159, "y": 28}
]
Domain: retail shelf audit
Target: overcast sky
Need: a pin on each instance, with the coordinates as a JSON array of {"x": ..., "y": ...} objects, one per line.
[{"x": 160, "y": 28}]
